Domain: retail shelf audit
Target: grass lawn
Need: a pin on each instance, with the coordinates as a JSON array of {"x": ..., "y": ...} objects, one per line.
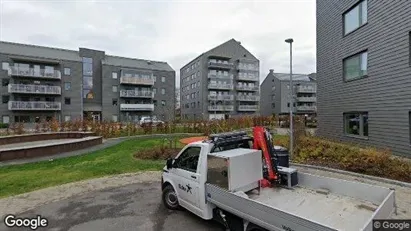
[{"x": 113, "y": 160}]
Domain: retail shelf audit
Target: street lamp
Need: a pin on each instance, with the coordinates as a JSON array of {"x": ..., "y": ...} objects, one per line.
[{"x": 290, "y": 41}]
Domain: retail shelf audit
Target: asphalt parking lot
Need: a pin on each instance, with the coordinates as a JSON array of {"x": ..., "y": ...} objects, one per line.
[{"x": 131, "y": 207}]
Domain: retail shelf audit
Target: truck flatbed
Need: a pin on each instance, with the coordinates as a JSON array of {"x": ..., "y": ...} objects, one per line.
[
  {"x": 318, "y": 203},
  {"x": 333, "y": 210}
]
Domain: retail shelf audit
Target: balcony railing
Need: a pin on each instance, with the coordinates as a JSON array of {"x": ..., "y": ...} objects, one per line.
[
  {"x": 222, "y": 86},
  {"x": 247, "y": 67},
  {"x": 221, "y": 97},
  {"x": 34, "y": 89},
  {"x": 247, "y": 88},
  {"x": 248, "y": 107},
  {"x": 248, "y": 77},
  {"x": 34, "y": 73},
  {"x": 34, "y": 105},
  {"x": 221, "y": 108},
  {"x": 306, "y": 108},
  {"x": 220, "y": 65},
  {"x": 136, "y": 107},
  {"x": 136, "y": 94},
  {"x": 214, "y": 76},
  {"x": 248, "y": 98},
  {"x": 307, "y": 99},
  {"x": 136, "y": 80},
  {"x": 306, "y": 89}
]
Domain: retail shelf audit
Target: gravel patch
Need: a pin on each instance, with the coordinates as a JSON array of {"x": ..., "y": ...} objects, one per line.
[{"x": 27, "y": 201}]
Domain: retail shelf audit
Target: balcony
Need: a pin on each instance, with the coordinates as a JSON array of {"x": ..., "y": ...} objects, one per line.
[
  {"x": 34, "y": 73},
  {"x": 247, "y": 107},
  {"x": 136, "y": 80},
  {"x": 220, "y": 65},
  {"x": 214, "y": 76},
  {"x": 34, "y": 89},
  {"x": 306, "y": 108},
  {"x": 247, "y": 88},
  {"x": 221, "y": 97},
  {"x": 136, "y": 107},
  {"x": 311, "y": 99},
  {"x": 247, "y": 66},
  {"x": 136, "y": 94},
  {"x": 248, "y": 98},
  {"x": 306, "y": 89},
  {"x": 34, "y": 106},
  {"x": 220, "y": 86},
  {"x": 221, "y": 108},
  {"x": 248, "y": 77}
]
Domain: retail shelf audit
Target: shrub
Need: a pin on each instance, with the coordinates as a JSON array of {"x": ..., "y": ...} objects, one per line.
[
  {"x": 2, "y": 125},
  {"x": 368, "y": 161}
]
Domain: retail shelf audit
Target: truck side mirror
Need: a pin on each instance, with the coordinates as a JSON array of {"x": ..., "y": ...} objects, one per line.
[{"x": 169, "y": 163}]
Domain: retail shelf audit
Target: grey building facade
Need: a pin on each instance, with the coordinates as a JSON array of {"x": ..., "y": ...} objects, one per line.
[
  {"x": 39, "y": 83},
  {"x": 275, "y": 94},
  {"x": 364, "y": 72},
  {"x": 222, "y": 82}
]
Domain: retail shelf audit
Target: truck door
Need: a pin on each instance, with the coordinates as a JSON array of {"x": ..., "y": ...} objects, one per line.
[{"x": 187, "y": 178}]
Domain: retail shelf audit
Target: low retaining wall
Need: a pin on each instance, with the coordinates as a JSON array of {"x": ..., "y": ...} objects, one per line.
[
  {"x": 43, "y": 136},
  {"x": 48, "y": 149}
]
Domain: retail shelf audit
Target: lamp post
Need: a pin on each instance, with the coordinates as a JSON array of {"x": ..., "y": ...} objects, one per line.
[{"x": 290, "y": 41}]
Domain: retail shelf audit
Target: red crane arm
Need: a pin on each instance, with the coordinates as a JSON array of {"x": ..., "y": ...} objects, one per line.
[{"x": 260, "y": 143}]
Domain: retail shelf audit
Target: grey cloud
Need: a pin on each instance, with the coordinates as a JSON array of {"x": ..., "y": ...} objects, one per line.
[{"x": 172, "y": 31}]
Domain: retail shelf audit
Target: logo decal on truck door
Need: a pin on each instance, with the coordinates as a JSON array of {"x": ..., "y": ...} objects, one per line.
[{"x": 186, "y": 188}]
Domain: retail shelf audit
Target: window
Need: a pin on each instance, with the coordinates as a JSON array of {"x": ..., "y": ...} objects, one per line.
[
  {"x": 67, "y": 86},
  {"x": 154, "y": 90},
  {"x": 114, "y": 118},
  {"x": 87, "y": 82},
  {"x": 114, "y": 102},
  {"x": 288, "y": 104},
  {"x": 356, "y": 123},
  {"x": 188, "y": 160},
  {"x": 87, "y": 66},
  {"x": 5, "y": 82},
  {"x": 409, "y": 44},
  {"x": 6, "y": 119},
  {"x": 67, "y": 118},
  {"x": 355, "y": 17},
  {"x": 163, "y": 79},
  {"x": 155, "y": 102},
  {"x": 155, "y": 78},
  {"x": 114, "y": 88},
  {"x": 163, "y": 91},
  {"x": 355, "y": 66},
  {"x": 5, "y": 98},
  {"x": 67, "y": 101},
  {"x": 67, "y": 71},
  {"x": 5, "y": 66},
  {"x": 163, "y": 102},
  {"x": 114, "y": 75},
  {"x": 273, "y": 105}
]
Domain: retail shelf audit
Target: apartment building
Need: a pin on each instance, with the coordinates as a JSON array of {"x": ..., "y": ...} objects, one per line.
[
  {"x": 275, "y": 94},
  {"x": 222, "y": 82},
  {"x": 364, "y": 72},
  {"x": 39, "y": 83}
]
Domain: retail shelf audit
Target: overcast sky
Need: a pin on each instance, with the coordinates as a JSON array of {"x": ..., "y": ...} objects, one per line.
[{"x": 172, "y": 31}]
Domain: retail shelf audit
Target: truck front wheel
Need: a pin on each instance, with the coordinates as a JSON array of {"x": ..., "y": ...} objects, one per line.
[{"x": 170, "y": 199}]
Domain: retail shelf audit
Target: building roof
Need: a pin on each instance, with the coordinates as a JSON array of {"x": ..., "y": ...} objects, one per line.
[
  {"x": 136, "y": 63},
  {"x": 38, "y": 51},
  {"x": 296, "y": 77}
]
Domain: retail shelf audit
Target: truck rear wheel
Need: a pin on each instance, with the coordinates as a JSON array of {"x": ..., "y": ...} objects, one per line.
[
  {"x": 170, "y": 199},
  {"x": 252, "y": 227}
]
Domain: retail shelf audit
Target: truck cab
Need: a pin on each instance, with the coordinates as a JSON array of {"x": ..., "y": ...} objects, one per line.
[{"x": 184, "y": 178}]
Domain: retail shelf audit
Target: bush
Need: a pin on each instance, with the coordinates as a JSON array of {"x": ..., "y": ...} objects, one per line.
[
  {"x": 347, "y": 157},
  {"x": 2, "y": 125}
]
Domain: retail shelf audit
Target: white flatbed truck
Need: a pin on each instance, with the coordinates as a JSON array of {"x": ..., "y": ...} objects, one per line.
[{"x": 315, "y": 203}]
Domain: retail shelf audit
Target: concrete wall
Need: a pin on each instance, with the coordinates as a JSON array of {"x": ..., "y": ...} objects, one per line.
[{"x": 385, "y": 93}]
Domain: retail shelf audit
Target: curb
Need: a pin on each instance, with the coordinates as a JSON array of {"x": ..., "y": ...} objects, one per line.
[{"x": 380, "y": 179}]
